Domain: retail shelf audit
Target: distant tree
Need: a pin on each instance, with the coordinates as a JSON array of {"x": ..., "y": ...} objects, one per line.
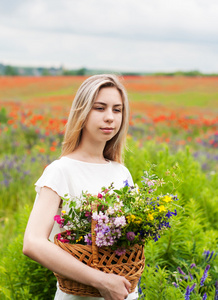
[
  {"x": 10, "y": 71},
  {"x": 45, "y": 72},
  {"x": 81, "y": 72}
]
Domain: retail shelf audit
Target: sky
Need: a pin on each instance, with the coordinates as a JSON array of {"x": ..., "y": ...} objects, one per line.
[{"x": 119, "y": 35}]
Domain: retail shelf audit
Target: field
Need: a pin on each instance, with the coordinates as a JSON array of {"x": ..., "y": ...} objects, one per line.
[{"x": 172, "y": 120}]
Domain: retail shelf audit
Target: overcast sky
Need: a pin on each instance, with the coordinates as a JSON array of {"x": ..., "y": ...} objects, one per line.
[{"x": 123, "y": 35}]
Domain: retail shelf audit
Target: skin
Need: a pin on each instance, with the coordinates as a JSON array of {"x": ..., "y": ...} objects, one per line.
[{"x": 106, "y": 113}]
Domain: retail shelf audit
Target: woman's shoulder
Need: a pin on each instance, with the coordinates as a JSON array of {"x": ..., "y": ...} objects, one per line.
[
  {"x": 57, "y": 163},
  {"x": 120, "y": 166}
]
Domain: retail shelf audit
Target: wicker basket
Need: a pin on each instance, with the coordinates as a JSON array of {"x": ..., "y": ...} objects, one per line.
[{"x": 130, "y": 265}]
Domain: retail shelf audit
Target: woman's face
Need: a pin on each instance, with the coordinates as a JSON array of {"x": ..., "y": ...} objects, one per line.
[{"x": 105, "y": 117}]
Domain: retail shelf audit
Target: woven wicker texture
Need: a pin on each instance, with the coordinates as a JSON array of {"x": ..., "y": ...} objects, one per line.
[{"x": 130, "y": 265}]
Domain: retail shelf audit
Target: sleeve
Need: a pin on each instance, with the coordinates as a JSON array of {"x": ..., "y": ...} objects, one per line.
[
  {"x": 54, "y": 178},
  {"x": 128, "y": 176}
]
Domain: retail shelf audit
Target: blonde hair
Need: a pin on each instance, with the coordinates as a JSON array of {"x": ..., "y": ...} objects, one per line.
[{"x": 81, "y": 106}]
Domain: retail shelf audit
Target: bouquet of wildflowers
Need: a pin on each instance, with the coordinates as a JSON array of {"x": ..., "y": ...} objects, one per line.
[{"x": 125, "y": 217}]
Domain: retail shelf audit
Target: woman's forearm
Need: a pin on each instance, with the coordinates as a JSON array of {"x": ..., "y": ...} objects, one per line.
[{"x": 57, "y": 260}]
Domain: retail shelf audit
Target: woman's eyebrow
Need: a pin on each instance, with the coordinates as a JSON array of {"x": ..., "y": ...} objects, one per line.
[{"x": 105, "y": 104}]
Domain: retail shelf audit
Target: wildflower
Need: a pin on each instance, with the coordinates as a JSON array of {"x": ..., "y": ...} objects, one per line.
[
  {"x": 62, "y": 240},
  {"x": 161, "y": 208},
  {"x": 190, "y": 276},
  {"x": 87, "y": 239},
  {"x": 180, "y": 271},
  {"x": 120, "y": 221},
  {"x": 126, "y": 183},
  {"x": 131, "y": 218},
  {"x": 167, "y": 199},
  {"x": 204, "y": 296},
  {"x": 120, "y": 251},
  {"x": 105, "y": 229},
  {"x": 156, "y": 238},
  {"x": 192, "y": 266},
  {"x": 175, "y": 284},
  {"x": 110, "y": 210},
  {"x": 139, "y": 286},
  {"x": 52, "y": 148},
  {"x": 59, "y": 220},
  {"x": 192, "y": 288},
  {"x": 187, "y": 293},
  {"x": 63, "y": 212},
  {"x": 216, "y": 290},
  {"x": 209, "y": 255},
  {"x": 203, "y": 278},
  {"x": 79, "y": 239},
  {"x": 138, "y": 221},
  {"x": 150, "y": 217},
  {"x": 100, "y": 196},
  {"x": 130, "y": 236}
]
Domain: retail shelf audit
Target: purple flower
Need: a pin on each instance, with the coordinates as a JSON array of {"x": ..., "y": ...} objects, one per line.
[
  {"x": 216, "y": 291},
  {"x": 130, "y": 236},
  {"x": 175, "y": 284},
  {"x": 190, "y": 276},
  {"x": 88, "y": 239},
  {"x": 139, "y": 286},
  {"x": 203, "y": 278},
  {"x": 204, "y": 297},
  {"x": 126, "y": 183},
  {"x": 193, "y": 266},
  {"x": 170, "y": 213},
  {"x": 120, "y": 251},
  {"x": 187, "y": 293},
  {"x": 180, "y": 271},
  {"x": 209, "y": 255},
  {"x": 105, "y": 229},
  {"x": 156, "y": 238},
  {"x": 192, "y": 288},
  {"x": 120, "y": 221}
]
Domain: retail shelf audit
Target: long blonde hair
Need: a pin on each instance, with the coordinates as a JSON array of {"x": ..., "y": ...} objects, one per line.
[{"x": 81, "y": 106}]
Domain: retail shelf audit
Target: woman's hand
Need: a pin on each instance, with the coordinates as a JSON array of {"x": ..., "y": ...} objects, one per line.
[{"x": 114, "y": 287}]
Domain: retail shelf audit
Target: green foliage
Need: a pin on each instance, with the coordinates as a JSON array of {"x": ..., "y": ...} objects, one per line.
[
  {"x": 3, "y": 115},
  {"x": 21, "y": 277},
  {"x": 194, "y": 230}
]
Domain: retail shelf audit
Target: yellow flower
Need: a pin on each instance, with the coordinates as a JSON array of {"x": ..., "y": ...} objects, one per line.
[
  {"x": 131, "y": 218},
  {"x": 162, "y": 208},
  {"x": 150, "y": 217},
  {"x": 167, "y": 199},
  {"x": 138, "y": 221},
  {"x": 63, "y": 211},
  {"x": 79, "y": 239}
]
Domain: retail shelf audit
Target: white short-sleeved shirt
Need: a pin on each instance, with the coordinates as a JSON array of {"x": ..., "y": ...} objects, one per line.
[{"x": 70, "y": 176}]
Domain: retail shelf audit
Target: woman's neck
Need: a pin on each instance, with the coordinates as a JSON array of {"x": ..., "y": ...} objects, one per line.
[{"x": 89, "y": 153}]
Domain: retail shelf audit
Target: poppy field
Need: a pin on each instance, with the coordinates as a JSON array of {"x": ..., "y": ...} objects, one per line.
[{"x": 173, "y": 121}]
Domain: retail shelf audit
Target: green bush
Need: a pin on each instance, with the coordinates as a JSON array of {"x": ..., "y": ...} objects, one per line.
[{"x": 193, "y": 230}]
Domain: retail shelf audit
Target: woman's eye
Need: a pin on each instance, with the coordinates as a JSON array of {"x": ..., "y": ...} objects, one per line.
[
  {"x": 117, "y": 110},
  {"x": 99, "y": 108}
]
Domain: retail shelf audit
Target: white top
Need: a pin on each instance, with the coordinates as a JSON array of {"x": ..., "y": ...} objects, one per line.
[{"x": 70, "y": 176}]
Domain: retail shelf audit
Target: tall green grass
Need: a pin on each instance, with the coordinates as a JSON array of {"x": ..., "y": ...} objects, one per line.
[{"x": 193, "y": 231}]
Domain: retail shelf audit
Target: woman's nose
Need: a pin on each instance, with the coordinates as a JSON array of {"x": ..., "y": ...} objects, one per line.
[{"x": 109, "y": 116}]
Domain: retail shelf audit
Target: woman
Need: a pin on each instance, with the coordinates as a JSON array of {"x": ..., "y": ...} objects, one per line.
[{"x": 91, "y": 158}]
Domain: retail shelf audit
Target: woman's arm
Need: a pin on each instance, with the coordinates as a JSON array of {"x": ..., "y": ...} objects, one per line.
[{"x": 39, "y": 248}]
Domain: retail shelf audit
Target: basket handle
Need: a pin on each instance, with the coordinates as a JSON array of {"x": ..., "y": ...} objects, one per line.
[{"x": 93, "y": 225}]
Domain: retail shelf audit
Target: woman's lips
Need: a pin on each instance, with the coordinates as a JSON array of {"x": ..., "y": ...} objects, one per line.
[{"x": 107, "y": 129}]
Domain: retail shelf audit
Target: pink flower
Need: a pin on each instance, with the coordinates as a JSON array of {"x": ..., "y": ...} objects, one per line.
[
  {"x": 120, "y": 251},
  {"x": 59, "y": 220},
  {"x": 100, "y": 196},
  {"x": 130, "y": 236},
  {"x": 120, "y": 221}
]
